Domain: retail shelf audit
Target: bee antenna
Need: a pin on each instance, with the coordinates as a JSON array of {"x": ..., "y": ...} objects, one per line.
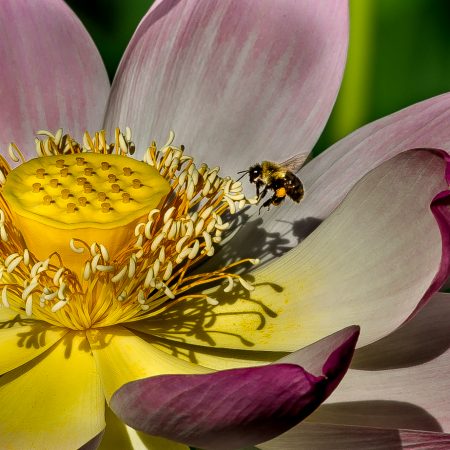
[{"x": 245, "y": 172}]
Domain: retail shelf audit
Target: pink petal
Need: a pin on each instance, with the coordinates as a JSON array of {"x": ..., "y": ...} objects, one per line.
[
  {"x": 402, "y": 380},
  {"x": 238, "y": 81},
  {"x": 330, "y": 176},
  {"x": 319, "y": 436},
  {"x": 52, "y": 74},
  {"x": 232, "y": 408}
]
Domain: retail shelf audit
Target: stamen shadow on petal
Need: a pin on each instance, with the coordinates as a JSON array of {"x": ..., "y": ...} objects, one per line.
[
  {"x": 190, "y": 352},
  {"x": 177, "y": 323},
  {"x": 34, "y": 334},
  {"x": 18, "y": 320},
  {"x": 197, "y": 318}
]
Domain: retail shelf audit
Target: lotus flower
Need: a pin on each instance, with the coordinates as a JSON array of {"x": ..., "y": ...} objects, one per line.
[{"x": 239, "y": 82}]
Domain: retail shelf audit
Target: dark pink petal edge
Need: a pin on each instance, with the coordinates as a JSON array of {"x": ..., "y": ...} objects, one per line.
[
  {"x": 440, "y": 207},
  {"x": 231, "y": 408}
]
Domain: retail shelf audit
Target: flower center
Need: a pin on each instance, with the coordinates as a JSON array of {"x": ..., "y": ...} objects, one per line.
[{"x": 92, "y": 239}]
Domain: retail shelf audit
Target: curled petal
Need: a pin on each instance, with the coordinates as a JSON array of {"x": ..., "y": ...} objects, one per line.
[
  {"x": 423, "y": 125},
  {"x": 233, "y": 408}
]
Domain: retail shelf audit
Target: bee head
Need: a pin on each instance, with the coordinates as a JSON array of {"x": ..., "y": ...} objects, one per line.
[{"x": 255, "y": 172}]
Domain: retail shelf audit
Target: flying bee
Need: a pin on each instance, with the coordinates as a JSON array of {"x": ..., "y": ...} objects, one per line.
[{"x": 278, "y": 177}]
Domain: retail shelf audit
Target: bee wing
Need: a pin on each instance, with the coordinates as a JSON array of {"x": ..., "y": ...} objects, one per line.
[{"x": 296, "y": 162}]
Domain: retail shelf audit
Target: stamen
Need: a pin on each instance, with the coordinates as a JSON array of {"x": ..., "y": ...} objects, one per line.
[{"x": 5, "y": 297}]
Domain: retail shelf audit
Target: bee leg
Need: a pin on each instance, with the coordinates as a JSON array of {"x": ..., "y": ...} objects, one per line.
[
  {"x": 267, "y": 203},
  {"x": 258, "y": 185},
  {"x": 263, "y": 193}
]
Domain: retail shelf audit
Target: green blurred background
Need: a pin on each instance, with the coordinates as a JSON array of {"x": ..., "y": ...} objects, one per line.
[{"x": 399, "y": 54}]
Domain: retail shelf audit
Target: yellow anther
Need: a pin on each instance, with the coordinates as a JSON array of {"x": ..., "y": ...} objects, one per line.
[
  {"x": 64, "y": 172},
  {"x": 101, "y": 196},
  {"x": 106, "y": 207},
  {"x": 40, "y": 173},
  {"x": 126, "y": 197},
  {"x": 65, "y": 193},
  {"x": 127, "y": 171},
  {"x": 81, "y": 181},
  {"x": 80, "y": 161},
  {"x": 88, "y": 171},
  {"x": 82, "y": 201},
  {"x": 71, "y": 207},
  {"x": 105, "y": 165},
  {"x": 60, "y": 163},
  {"x": 47, "y": 199},
  {"x": 137, "y": 183},
  {"x": 54, "y": 183},
  {"x": 115, "y": 188},
  {"x": 87, "y": 188},
  {"x": 36, "y": 187},
  {"x": 112, "y": 178}
]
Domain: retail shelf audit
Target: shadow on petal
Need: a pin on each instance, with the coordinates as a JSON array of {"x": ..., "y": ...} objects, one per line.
[
  {"x": 422, "y": 339},
  {"x": 252, "y": 239},
  {"x": 325, "y": 436},
  {"x": 383, "y": 414}
]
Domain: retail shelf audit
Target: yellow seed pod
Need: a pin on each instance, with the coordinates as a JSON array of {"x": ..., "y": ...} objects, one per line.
[{"x": 48, "y": 199}]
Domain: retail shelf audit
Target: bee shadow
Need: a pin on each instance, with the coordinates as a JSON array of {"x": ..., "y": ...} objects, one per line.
[{"x": 250, "y": 238}]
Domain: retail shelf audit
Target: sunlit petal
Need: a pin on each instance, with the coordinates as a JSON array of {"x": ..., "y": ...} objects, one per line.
[
  {"x": 25, "y": 341},
  {"x": 367, "y": 263},
  {"x": 63, "y": 388},
  {"x": 121, "y": 357}
]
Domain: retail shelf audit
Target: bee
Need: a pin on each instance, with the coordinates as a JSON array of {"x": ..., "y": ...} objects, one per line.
[{"x": 279, "y": 178}]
